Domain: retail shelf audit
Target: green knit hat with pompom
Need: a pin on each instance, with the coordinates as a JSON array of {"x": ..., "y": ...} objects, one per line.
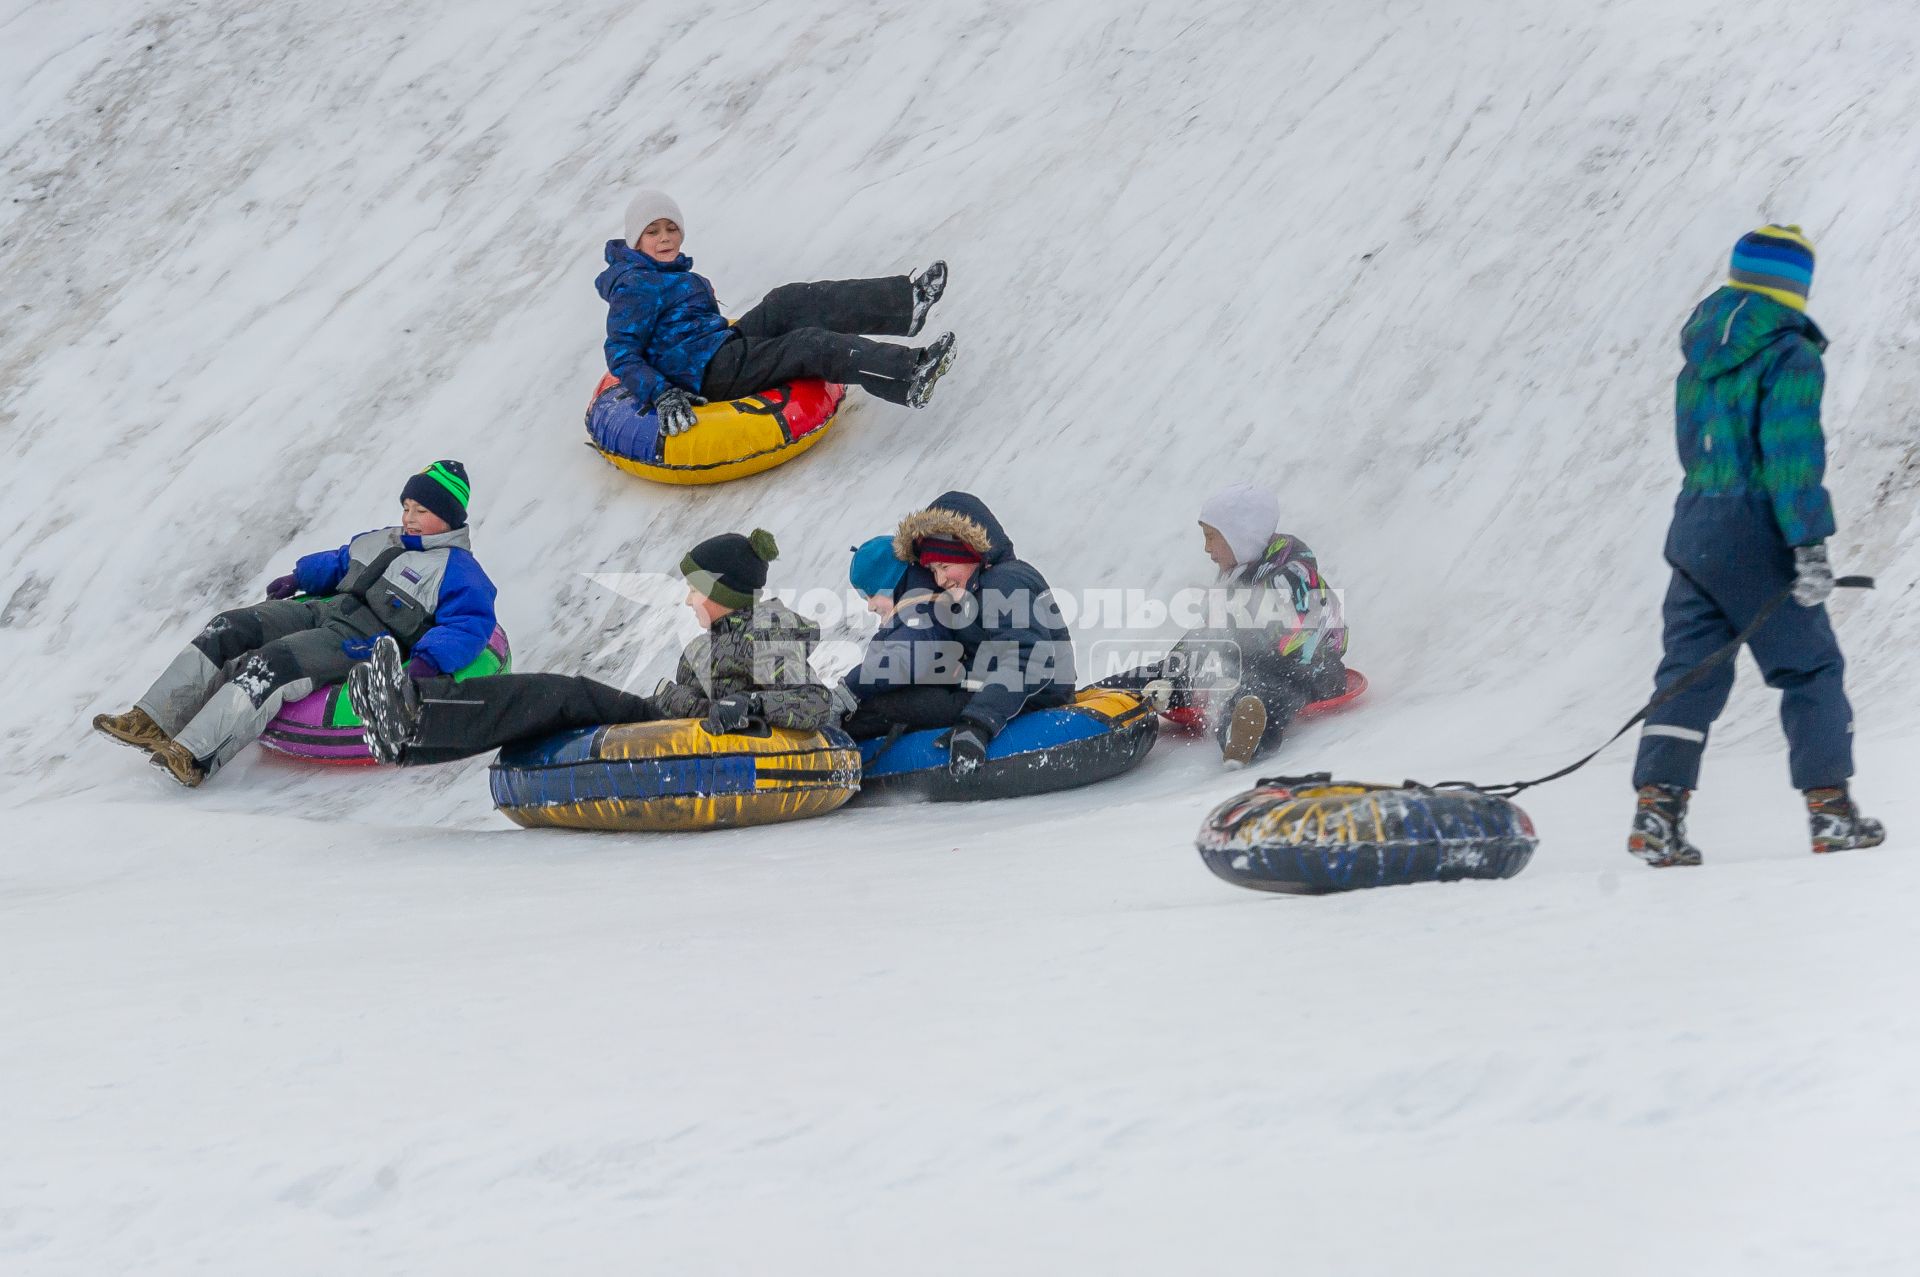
[{"x": 731, "y": 569}]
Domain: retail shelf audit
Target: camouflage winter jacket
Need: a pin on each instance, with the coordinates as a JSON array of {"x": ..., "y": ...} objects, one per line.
[
  {"x": 764, "y": 649},
  {"x": 1747, "y": 416}
]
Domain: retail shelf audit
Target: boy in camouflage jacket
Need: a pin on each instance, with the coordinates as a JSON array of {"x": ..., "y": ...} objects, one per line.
[
  {"x": 1750, "y": 524},
  {"x": 750, "y": 666}
]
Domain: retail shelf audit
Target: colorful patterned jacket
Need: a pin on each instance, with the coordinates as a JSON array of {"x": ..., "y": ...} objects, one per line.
[
  {"x": 1314, "y": 626},
  {"x": 1747, "y": 414}
]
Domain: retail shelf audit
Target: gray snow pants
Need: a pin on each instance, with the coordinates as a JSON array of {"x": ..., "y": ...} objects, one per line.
[{"x": 225, "y": 686}]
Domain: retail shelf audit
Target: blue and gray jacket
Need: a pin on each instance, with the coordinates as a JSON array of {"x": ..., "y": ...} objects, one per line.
[
  {"x": 663, "y": 322},
  {"x": 428, "y": 592}
]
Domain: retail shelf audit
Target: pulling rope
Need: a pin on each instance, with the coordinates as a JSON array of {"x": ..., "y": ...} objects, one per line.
[{"x": 1690, "y": 679}]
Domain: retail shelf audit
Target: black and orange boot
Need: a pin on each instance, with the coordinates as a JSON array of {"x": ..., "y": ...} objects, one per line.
[
  {"x": 1837, "y": 824},
  {"x": 1659, "y": 834}
]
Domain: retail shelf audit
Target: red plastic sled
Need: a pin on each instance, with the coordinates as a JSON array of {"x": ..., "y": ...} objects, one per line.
[{"x": 1190, "y": 719}]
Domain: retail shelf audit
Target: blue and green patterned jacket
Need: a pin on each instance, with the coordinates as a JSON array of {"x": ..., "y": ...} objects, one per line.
[{"x": 1747, "y": 414}]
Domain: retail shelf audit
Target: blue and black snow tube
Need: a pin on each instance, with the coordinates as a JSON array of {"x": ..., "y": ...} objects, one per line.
[
  {"x": 673, "y": 775},
  {"x": 1103, "y": 733},
  {"x": 1309, "y": 835}
]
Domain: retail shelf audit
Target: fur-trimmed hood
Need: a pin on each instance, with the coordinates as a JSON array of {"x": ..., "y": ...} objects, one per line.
[{"x": 954, "y": 516}]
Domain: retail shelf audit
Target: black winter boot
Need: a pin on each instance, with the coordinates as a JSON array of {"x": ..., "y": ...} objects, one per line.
[
  {"x": 388, "y": 704},
  {"x": 1659, "y": 834},
  {"x": 1837, "y": 824},
  {"x": 927, "y": 287},
  {"x": 930, "y": 364}
]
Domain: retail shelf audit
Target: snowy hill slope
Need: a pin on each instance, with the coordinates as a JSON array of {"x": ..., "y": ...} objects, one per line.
[
  {"x": 1420, "y": 264},
  {"x": 261, "y": 262}
]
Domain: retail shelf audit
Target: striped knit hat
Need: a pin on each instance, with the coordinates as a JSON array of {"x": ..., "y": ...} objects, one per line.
[
  {"x": 1776, "y": 262},
  {"x": 442, "y": 487}
]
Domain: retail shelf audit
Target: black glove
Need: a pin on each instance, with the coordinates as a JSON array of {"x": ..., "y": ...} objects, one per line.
[
  {"x": 675, "y": 408},
  {"x": 966, "y": 750},
  {"x": 1812, "y": 575},
  {"x": 732, "y": 713}
]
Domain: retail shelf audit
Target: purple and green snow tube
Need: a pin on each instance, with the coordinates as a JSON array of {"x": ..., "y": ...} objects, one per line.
[{"x": 325, "y": 728}]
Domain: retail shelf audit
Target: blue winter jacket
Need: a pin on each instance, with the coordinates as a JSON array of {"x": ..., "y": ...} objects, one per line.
[
  {"x": 663, "y": 323},
  {"x": 437, "y": 574},
  {"x": 1018, "y": 650},
  {"x": 911, "y": 648}
]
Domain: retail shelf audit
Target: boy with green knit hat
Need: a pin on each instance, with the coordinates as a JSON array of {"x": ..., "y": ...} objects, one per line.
[
  {"x": 416, "y": 583},
  {"x": 750, "y": 665}
]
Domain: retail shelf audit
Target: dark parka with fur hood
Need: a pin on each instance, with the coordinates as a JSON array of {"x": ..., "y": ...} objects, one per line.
[{"x": 1019, "y": 654}]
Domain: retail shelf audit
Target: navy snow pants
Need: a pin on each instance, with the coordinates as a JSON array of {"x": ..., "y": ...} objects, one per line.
[{"x": 1723, "y": 573}]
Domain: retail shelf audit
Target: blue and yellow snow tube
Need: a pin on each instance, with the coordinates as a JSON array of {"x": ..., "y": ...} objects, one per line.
[
  {"x": 1309, "y": 835},
  {"x": 1101, "y": 734},
  {"x": 729, "y": 440},
  {"x": 673, "y": 775}
]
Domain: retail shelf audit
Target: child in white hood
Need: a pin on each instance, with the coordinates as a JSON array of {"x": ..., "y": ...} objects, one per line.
[{"x": 1286, "y": 639}]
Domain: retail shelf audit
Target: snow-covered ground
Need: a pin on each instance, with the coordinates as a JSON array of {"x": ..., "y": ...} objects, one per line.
[{"x": 1421, "y": 264}]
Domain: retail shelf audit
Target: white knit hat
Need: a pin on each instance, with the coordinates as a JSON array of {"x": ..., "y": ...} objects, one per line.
[
  {"x": 648, "y": 207},
  {"x": 1246, "y": 516}
]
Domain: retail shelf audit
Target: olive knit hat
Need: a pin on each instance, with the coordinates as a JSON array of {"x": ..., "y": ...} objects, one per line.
[{"x": 731, "y": 569}]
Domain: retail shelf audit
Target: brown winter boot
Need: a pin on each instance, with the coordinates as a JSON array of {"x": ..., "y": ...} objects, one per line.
[
  {"x": 1837, "y": 824},
  {"x": 174, "y": 759},
  {"x": 1244, "y": 730},
  {"x": 133, "y": 728}
]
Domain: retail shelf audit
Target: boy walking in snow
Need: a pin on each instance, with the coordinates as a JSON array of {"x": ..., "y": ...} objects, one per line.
[
  {"x": 1291, "y": 649},
  {"x": 1751, "y": 522},
  {"x": 751, "y": 666},
  {"x": 671, "y": 348},
  {"x": 418, "y": 583}
]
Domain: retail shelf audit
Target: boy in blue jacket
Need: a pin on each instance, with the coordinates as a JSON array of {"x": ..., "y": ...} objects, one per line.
[
  {"x": 418, "y": 582},
  {"x": 671, "y": 347},
  {"x": 911, "y": 674}
]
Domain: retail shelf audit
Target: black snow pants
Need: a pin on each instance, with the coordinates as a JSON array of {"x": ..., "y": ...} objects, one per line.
[
  {"x": 909, "y": 708},
  {"x": 806, "y": 330},
  {"x": 1285, "y": 685},
  {"x": 459, "y": 720}
]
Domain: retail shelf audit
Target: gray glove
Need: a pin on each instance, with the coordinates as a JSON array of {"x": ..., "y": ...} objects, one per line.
[
  {"x": 1812, "y": 575},
  {"x": 675, "y": 408}
]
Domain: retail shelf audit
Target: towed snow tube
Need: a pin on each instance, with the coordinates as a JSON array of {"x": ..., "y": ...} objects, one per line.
[
  {"x": 1191, "y": 720},
  {"x": 1101, "y": 734},
  {"x": 729, "y": 440},
  {"x": 673, "y": 775},
  {"x": 1309, "y": 835},
  {"x": 325, "y": 728}
]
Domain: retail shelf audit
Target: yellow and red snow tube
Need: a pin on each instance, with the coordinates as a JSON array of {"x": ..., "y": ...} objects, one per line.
[{"x": 729, "y": 440}]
